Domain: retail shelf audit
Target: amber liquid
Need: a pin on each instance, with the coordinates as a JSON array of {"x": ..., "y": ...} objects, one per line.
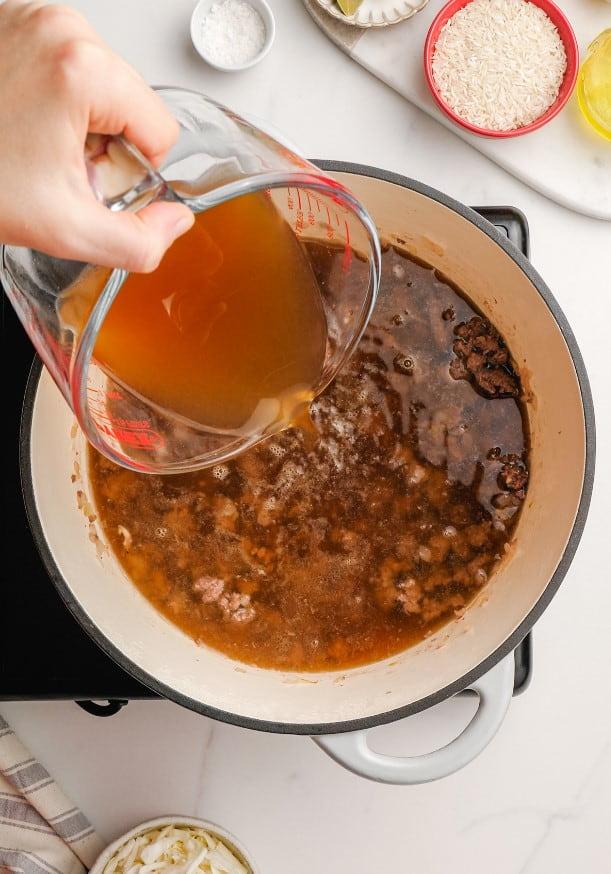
[
  {"x": 229, "y": 332},
  {"x": 324, "y": 557}
]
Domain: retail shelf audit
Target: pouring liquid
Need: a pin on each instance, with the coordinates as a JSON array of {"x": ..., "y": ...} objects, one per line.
[{"x": 229, "y": 332}]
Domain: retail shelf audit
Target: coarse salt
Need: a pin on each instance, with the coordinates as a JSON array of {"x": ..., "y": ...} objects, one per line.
[
  {"x": 499, "y": 64},
  {"x": 232, "y": 33}
]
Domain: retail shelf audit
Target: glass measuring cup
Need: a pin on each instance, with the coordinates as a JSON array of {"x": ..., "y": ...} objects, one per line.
[{"x": 218, "y": 157}]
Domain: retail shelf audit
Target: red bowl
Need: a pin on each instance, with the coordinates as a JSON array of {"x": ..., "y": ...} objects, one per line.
[{"x": 568, "y": 83}]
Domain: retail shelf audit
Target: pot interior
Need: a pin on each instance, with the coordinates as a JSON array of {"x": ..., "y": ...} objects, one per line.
[{"x": 127, "y": 625}]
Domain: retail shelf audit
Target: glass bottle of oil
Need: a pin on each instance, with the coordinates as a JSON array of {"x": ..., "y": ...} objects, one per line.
[{"x": 594, "y": 84}]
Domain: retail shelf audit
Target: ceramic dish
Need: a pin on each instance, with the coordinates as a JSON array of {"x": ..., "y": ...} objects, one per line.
[
  {"x": 375, "y": 13},
  {"x": 568, "y": 83},
  {"x": 197, "y": 18},
  {"x": 226, "y": 838}
]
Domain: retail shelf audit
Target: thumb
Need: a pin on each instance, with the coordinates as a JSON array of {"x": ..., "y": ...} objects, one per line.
[{"x": 135, "y": 241}]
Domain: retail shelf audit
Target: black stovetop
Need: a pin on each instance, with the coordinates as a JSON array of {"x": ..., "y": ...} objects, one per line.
[{"x": 44, "y": 653}]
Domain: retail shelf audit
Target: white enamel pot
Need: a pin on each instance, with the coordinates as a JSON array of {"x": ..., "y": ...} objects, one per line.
[{"x": 473, "y": 652}]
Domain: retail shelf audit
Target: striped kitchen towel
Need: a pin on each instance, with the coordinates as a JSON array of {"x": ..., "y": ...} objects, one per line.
[{"x": 41, "y": 832}]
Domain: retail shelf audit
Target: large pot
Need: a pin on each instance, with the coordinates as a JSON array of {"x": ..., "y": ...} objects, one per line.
[{"x": 339, "y": 707}]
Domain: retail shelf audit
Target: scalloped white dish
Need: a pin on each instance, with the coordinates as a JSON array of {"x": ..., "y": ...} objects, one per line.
[{"x": 375, "y": 13}]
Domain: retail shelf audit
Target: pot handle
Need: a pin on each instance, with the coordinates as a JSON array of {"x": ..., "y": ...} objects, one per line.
[{"x": 351, "y": 750}]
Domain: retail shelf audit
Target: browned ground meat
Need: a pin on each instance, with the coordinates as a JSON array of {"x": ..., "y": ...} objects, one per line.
[
  {"x": 348, "y": 546},
  {"x": 483, "y": 357},
  {"x": 513, "y": 477}
]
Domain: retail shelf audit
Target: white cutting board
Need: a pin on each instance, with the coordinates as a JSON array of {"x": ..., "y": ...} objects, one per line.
[{"x": 565, "y": 160}]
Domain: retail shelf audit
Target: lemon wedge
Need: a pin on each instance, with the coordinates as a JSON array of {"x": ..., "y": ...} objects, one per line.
[{"x": 349, "y": 7}]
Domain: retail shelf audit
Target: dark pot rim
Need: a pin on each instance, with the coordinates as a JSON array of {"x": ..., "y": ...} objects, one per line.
[{"x": 447, "y": 691}]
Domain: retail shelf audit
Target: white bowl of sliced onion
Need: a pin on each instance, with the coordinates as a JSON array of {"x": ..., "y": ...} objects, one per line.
[{"x": 176, "y": 844}]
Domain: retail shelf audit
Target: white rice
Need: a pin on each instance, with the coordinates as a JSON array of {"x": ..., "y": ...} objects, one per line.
[{"x": 499, "y": 64}]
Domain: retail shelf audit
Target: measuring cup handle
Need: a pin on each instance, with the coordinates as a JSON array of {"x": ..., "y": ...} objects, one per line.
[{"x": 120, "y": 175}]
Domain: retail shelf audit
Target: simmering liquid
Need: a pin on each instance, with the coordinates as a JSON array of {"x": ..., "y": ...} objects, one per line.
[
  {"x": 229, "y": 331},
  {"x": 349, "y": 546}
]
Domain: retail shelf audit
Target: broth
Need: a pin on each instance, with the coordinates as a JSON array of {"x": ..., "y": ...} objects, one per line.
[
  {"x": 214, "y": 334},
  {"x": 351, "y": 544}
]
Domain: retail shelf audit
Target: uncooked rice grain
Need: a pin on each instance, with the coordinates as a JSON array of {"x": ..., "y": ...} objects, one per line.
[{"x": 499, "y": 64}]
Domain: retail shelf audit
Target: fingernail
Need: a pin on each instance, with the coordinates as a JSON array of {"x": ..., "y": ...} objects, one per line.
[{"x": 182, "y": 224}]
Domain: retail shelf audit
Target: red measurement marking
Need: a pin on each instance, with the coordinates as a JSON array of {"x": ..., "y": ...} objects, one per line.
[
  {"x": 141, "y": 439},
  {"x": 99, "y": 416},
  {"x": 309, "y": 201},
  {"x": 113, "y": 394},
  {"x": 330, "y": 233},
  {"x": 132, "y": 424},
  {"x": 299, "y": 198},
  {"x": 347, "y": 259}
]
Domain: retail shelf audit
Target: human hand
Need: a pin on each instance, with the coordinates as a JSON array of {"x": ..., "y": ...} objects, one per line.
[{"x": 59, "y": 82}]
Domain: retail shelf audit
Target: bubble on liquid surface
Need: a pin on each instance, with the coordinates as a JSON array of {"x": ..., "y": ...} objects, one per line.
[
  {"x": 220, "y": 471},
  {"x": 288, "y": 475},
  {"x": 403, "y": 364}
]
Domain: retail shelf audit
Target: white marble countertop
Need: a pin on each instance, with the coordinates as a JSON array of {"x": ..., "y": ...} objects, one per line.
[{"x": 539, "y": 798}]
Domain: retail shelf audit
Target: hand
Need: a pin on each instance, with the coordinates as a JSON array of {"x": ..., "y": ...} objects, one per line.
[{"x": 58, "y": 82}]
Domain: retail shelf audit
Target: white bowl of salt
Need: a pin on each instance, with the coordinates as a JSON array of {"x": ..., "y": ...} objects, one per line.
[{"x": 232, "y": 35}]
